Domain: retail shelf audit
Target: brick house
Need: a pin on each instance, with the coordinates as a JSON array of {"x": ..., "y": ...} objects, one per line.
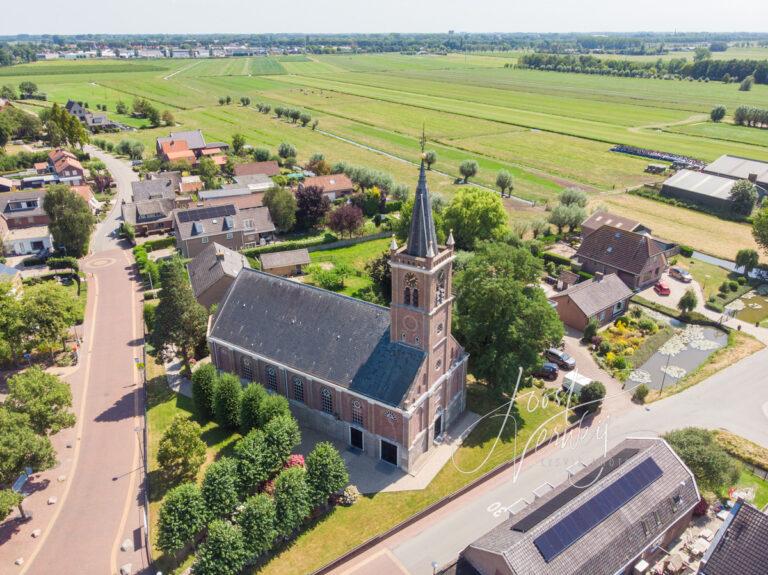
[
  {"x": 603, "y": 299},
  {"x": 387, "y": 382},
  {"x": 212, "y": 271},
  {"x": 636, "y": 258},
  {"x": 740, "y": 546},
  {"x": 623, "y": 509},
  {"x": 150, "y": 216},
  {"x": 286, "y": 263},
  {"x": 23, "y": 209}
]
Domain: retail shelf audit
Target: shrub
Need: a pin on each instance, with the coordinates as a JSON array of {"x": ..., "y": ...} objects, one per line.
[
  {"x": 591, "y": 397},
  {"x": 257, "y": 521},
  {"x": 640, "y": 393},
  {"x": 646, "y": 324},
  {"x": 292, "y": 499},
  {"x": 251, "y": 463},
  {"x": 227, "y": 396},
  {"x": 741, "y": 280},
  {"x": 733, "y": 285},
  {"x": 181, "y": 452},
  {"x": 219, "y": 488},
  {"x": 182, "y": 517},
  {"x": 604, "y": 348},
  {"x": 686, "y": 251},
  {"x": 271, "y": 406},
  {"x": 590, "y": 330},
  {"x": 326, "y": 473},
  {"x": 204, "y": 381},
  {"x": 250, "y": 406},
  {"x": 619, "y": 362},
  {"x": 224, "y": 551},
  {"x": 709, "y": 462}
]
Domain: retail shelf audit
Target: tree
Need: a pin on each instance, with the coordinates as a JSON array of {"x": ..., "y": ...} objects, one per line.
[
  {"x": 182, "y": 516},
  {"x": 591, "y": 397},
  {"x": 381, "y": 275},
  {"x": 504, "y": 182},
  {"x": 272, "y": 406},
  {"x": 282, "y": 207},
  {"x": 743, "y": 197},
  {"x": 311, "y": 207},
  {"x": 208, "y": 172},
  {"x": 717, "y": 113},
  {"x": 238, "y": 144},
  {"x": 292, "y": 504},
  {"x": 245, "y": 101},
  {"x": 746, "y": 84},
  {"x": 27, "y": 88},
  {"x": 219, "y": 488},
  {"x": 204, "y": 381},
  {"x": 503, "y": 319},
  {"x": 709, "y": 462},
  {"x": 688, "y": 302},
  {"x": 4, "y": 136},
  {"x": 8, "y": 92},
  {"x": 257, "y": 522},
  {"x": 287, "y": 152},
  {"x": 261, "y": 154},
  {"x": 168, "y": 118},
  {"x": 305, "y": 119},
  {"x": 181, "y": 452},
  {"x": 468, "y": 169},
  {"x": 430, "y": 158},
  {"x": 574, "y": 197},
  {"x": 226, "y": 401},
  {"x": 346, "y": 219},
  {"x": 474, "y": 215},
  {"x": 12, "y": 326},
  {"x": 223, "y": 552},
  {"x": 590, "y": 330},
  {"x": 252, "y": 461},
  {"x": 326, "y": 473},
  {"x": 180, "y": 322},
  {"x": 121, "y": 108},
  {"x": 760, "y": 228},
  {"x": 281, "y": 435},
  {"x": 567, "y": 215},
  {"x": 8, "y": 500},
  {"x": 153, "y": 115},
  {"x": 250, "y": 406},
  {"x": 48, "y": 311},
  {"x": 701, "y": 53},
  {"x": 748, "y": 259},
  {"x": 71, "y": 219},
  {"x": 21, "y": 447},
  {"x": 44, "y": 398}
]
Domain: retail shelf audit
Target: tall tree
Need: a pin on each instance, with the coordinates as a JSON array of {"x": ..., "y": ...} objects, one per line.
[
  {"x": 257, "y": 520},
  {"x": 474, "y": 215},
  {"x": 209, "y": 173},
  {"x": 381, "y": 275},
  {"x": 504, "y": 182},
  {"x": 252, "y": 461},
  {"x": 748, "y": 259},
  {"x": 12, "y": 326},
  {"x": 743, "y": 197},
  {"x": 223, "y": 552},
  {"x": 251, "y": 406},
  {"x": 21, "y": 447},
  {"x": 430, "y": 158},
  {"x": 71, "y": 219},
  {"x": 180, "y": 322},
  {"x": 182, "y": 517},
  {"x": 311, "y": 207},
  {"x": 282, "y": 207},
  {"x": 219, "y": 488},
  {"x": 227, "y": 398},
  {"x": 44, "y": 398},
  {"x": 326, "y": 473},
  {"x": 181, "y": 452},
  {"x": 292, "y": 504},
  {"x": 204, "y": 381},
  {"x": 238, "y": 144},
  {"x": 574, "y": 196},
  {"x": 760, "y": 228},
  {"x": 287, "y": 152},
  {"x": 48, "y": 312},
  {"x": 346, "y": 219},
  {"x": 281, "y": 435},
  {"x": 468, "y": 169},
  {"x": 712, "y": 466},
  {"x": 503, "y": 318},
  {"x": 717, "y": 113},
  {"x": 688, "y": 302}
]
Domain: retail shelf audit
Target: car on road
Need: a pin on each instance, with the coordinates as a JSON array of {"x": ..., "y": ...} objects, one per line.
[
  {"x": 560, "y": 358},
  {"x": 680, "y": 274},
  {"x": 547, "y": 371},
  {"x": 661, "y": 288}
]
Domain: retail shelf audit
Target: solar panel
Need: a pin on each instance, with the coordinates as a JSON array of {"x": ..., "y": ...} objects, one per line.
[
  {"x": 537, "y": 516},
  {"x": 207, "y": 213},
  {"x": 582, "y": 520}
]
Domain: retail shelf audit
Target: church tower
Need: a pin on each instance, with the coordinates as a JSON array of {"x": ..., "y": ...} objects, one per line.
[{"x": 421, "y": 287}]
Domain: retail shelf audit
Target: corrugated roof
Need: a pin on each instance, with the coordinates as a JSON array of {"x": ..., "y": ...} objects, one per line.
[
  {"x": 738, "y": 167},
  {"x": 701, "y": 183},
  {"x": 601, "y": 218},
  {"x": 314, "y": 331}
]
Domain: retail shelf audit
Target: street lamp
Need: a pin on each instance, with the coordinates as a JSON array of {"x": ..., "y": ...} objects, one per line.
[{"x": 663, "y": 379}]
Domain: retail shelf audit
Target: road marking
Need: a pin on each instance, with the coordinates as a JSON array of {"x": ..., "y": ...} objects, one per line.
[
  {"x": 78, "y": 434},
  {"x": 134, "y": 461}
]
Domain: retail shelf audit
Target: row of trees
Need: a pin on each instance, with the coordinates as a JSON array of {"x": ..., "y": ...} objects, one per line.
[
  {"x": 37, "y": 406},
  {"x": 295, "y": 115},
  {"x": 62, "y": 128},
  {"x": 133, "y": 149},
  {"x": 142, "y": 108},
  {"x": 570, "y": 211},
  {"x": 752, "y": 117}
]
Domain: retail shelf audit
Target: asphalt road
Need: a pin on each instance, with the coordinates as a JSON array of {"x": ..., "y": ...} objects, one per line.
[{"x": 735, "y": 399}]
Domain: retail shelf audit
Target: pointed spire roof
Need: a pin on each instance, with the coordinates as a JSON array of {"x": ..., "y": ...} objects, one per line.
[{"x": 422, "y": 239}]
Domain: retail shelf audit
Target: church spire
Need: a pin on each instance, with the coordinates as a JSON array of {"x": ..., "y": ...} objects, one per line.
[{"x": 422, "y": 239}]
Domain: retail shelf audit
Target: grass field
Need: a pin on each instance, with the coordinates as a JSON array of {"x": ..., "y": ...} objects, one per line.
[{"x": 354, "y": 257}]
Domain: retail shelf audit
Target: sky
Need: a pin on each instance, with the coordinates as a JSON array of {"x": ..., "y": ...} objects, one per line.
[{"x": 328, "y": 16}]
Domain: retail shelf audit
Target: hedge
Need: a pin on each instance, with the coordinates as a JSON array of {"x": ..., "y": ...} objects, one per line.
[
  {"x": 557, "y": 258},
  {"x": 67, "y": 262},
  {"x": 714, "y": 306},
  {"x": 393, "y": 206},
  {"x": 686, "y": 251},
  {"x": 159, "y": 244},
  {"x": 326, "y": 238},
  {"x": 33, "y": 261}
]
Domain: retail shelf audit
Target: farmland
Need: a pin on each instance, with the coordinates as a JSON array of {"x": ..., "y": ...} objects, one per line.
[{"x": 549, "y": 130}]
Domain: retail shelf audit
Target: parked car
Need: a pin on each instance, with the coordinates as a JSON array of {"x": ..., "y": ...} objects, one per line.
[
  {"x": 547, "y": 371},
  {"x": 661, "y": 288},
  {"x": 560, "y": 358},
  {"x": 680, "y": 274}
]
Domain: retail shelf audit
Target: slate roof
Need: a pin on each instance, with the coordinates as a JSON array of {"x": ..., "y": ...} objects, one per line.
[
  {"x": 25, "y": 196},
  {"x": 193, "y": 138},
  {"x": 285, "y": 259},
  {"x": 620, "y": 249},
  {"x": 593, "y": 296},
  {"x": 149, "y": 211},
  {"x": 422, "y": 238},
  {"x": 616, "y": 540},
  {"x": 701, "y": 183},
  {"x": 198, "y": 221},
  {"x": 212, "y": 264},
  {"x": 317, "y": 332},
  {"x": 601, "y": 218},
  {"x": 270, "y": 168},
  {"x": 154, "y": 189},
  {"x": 740, "y": 546}
]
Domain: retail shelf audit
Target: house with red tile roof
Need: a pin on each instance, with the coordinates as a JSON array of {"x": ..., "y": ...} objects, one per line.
[
  {"x": 253, "y": 168},
  {"x": 333, "y": 186}
]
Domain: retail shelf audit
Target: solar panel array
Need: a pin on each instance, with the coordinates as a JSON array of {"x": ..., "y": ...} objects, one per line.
[
  {"x": 582, "y": 520},
  {"x": 207, "y": 213},
  {"x": 537, "y": 516}
]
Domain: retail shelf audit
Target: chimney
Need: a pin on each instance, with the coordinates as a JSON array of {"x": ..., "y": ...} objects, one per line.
[
  {"x": 220, "y": 256},
  {"x": 752, "y": 178},
  {"x": 599, "y": 276}
]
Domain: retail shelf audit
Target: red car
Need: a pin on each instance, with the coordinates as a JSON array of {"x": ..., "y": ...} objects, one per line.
[{"x": 661, "y": 288}]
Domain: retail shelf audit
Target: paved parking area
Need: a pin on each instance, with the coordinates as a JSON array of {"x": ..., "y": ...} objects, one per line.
[{"x": 676, "y": 288}]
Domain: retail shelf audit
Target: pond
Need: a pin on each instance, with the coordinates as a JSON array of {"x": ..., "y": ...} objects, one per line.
[
  {"x": 752, "y": 307},
  {"x": 685, "y": 351}
]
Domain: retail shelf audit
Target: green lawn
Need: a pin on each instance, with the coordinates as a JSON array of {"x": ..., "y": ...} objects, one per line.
[
  {"x": 749, "y": 479},
  {"x": 709, "y": 276},
  {"x": 355, "y": 257}
]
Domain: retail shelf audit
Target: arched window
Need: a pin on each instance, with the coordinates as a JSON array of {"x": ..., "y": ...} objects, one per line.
[
  {"x": 326, "y": 400},
  {"x": 272, "y": 378},
  {"x": 440, "y": 288},
  {"x": 407, "y": 296},
  {"x": 246, "y": 368},
  {"x": 298, "y": 389},
  {"x": 411, "y": 291},
  {"x": 357, "y": 413}
]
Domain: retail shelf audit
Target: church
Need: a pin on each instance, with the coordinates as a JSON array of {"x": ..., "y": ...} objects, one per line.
[{"x": 386, "y": 381}]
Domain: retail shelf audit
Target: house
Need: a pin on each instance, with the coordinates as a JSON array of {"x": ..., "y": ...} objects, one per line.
[
  {"x": 212, "y": 271},
  {"x": 68, "y": 169},
  {"x": 94, "y": 121},
  {"x": 226, "y": 224},
  {"x": 190, "y": 184},
  {"x": 7, "y": 185},
  {"x": 738, "y": 168},
  {"x": 387, "y": 382},
  {"x": 150, "y": 216},
  {"x": 157, "y": 188},
  {"x": 86, "y": 193},
  {"x": 177, "y": 151},
  {"x": 77, "y": 109},
  {"x": 270, "y": 168},
  {"x": 701, "y": 188},
  {"x": 23, "y": 209},
  {"x": 333, "y": 186},
  {"x": 601, "y": 218},
  {"x": 12, "y": 276},
  {"x": 625, "y": 508},
  {"x": 255, "y": 182},
  {"x": 42, "y": 167},
  {"x": 25, "y": 241},
  {"x": 189, "y": 146},
  {"x": 287, "y": 263},
  {"x": 740, "y": 546},
  {"x": 603, "y": 299},
  {"x": 636, "y": 258},
  {"x": 226, "y": 191}
]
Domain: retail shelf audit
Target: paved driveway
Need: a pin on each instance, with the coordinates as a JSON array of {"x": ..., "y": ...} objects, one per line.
[{"x": 676, "y": 288}]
